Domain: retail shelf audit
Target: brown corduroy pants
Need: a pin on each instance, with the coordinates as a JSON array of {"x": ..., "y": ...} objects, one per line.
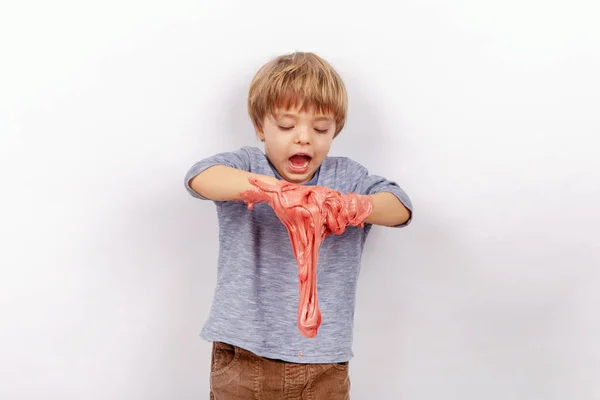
[{"x": 237, "y": 374}]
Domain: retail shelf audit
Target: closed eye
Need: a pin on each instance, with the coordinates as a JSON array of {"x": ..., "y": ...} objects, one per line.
[
  {"x": 285, "y": 128},
  {"x": 321, "y": 130}
]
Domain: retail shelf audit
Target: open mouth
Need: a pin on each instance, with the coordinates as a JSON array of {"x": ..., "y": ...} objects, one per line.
[{"x": 300, "y": 162}]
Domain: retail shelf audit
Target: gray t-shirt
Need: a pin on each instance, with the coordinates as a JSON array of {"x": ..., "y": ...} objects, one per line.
[{"x": 255, "y": 303}]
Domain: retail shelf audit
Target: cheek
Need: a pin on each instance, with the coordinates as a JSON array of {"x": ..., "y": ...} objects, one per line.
[
  {"x": 274, "y": 146},
  {"x": 323, "y": 144}
]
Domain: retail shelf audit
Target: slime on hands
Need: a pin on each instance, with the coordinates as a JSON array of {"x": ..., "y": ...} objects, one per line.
[{"x": 310, "y": 214}]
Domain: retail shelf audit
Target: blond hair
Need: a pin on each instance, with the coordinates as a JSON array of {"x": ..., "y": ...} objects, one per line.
[{"x": 298, "y": 79}]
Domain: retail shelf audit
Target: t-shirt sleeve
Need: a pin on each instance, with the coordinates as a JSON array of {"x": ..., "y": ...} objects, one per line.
[
  {"x": 239, "y": 159},
  {"x": 364, "y": 183}
]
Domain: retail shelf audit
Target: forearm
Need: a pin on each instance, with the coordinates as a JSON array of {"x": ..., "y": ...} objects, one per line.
[
  {"x": 222, "y": 183},
  {"x": 387, "y": 210}
]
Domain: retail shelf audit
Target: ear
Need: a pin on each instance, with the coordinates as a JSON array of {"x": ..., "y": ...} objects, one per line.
[{"x": 260, "y": 133}]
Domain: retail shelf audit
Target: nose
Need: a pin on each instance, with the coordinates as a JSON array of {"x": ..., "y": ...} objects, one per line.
[{"x": 302, "y": 135}]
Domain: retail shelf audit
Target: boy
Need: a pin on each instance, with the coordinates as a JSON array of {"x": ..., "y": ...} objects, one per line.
[{"x": 297, "y": 104}]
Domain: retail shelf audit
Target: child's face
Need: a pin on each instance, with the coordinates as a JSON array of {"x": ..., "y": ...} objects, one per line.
[{"x": 297, "y": 142}]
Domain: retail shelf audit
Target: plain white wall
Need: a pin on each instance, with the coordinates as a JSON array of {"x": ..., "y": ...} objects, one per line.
[{"x": 487, "y": 113}]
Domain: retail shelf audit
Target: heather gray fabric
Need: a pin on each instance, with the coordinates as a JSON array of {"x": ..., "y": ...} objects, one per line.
[{"x": 255, "y": 303}]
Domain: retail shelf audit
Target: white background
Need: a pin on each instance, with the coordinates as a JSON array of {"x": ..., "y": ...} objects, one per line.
[{"x": 486, "y": 112}]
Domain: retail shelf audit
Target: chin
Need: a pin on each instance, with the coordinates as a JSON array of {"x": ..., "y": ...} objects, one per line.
[
  {"x": 304, "y": 179},
  {"x": 297, "y": 179}
]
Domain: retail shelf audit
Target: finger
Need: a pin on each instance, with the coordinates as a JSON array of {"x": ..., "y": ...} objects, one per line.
[{"x": 262, "y": 185}]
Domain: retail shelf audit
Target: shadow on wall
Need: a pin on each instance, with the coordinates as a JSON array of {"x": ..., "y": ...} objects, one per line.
[
  {"x": 368, "y": 137},
  {"x": 361, "y": 139},
  {"x": 435, "y": 306},
  {"x": 410, "y": 289}
]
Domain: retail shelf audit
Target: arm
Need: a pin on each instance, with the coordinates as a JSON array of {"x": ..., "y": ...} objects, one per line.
[
  {"x": 387, "y": 210},
  {"x": 224, "y": 176},
  {"x": 223, "y": 183}
]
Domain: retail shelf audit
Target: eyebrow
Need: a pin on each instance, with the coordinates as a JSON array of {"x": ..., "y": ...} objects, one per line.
[
  {"x": 319, "y": 118},
  {"x": 285, "y": 115}
]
